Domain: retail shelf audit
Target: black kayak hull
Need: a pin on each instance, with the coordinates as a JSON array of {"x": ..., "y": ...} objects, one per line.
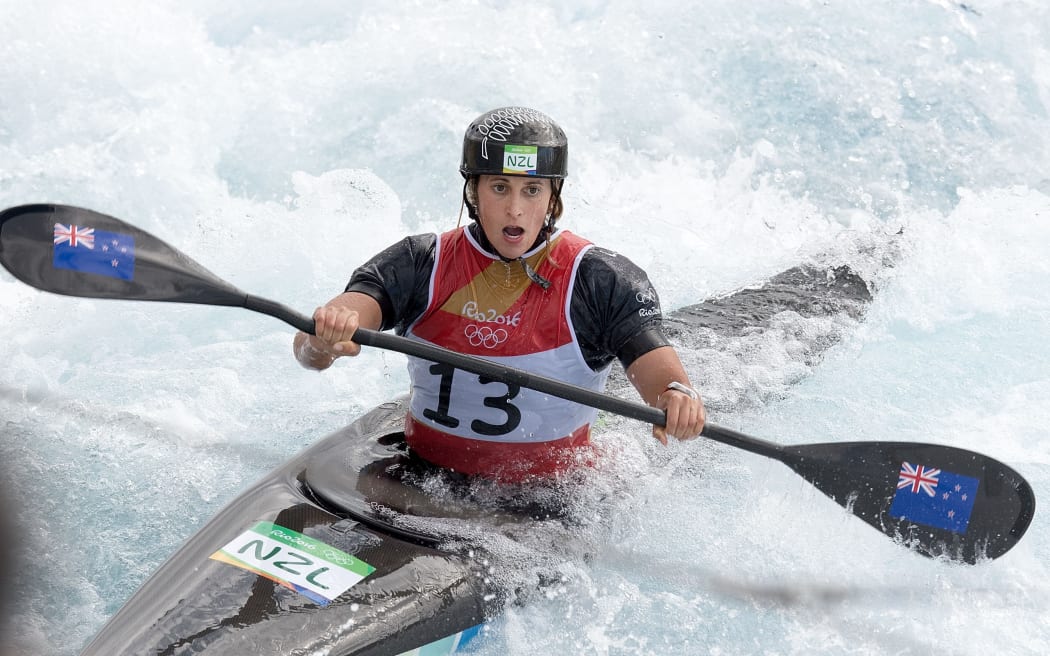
[{"x": 417, "y": 595}]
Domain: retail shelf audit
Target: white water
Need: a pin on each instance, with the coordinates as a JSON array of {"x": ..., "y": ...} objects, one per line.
[{"x": 280, "y": 146}]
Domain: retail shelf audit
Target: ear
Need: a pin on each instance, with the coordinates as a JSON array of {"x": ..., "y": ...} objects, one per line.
[{"x": 470, "y": 196}]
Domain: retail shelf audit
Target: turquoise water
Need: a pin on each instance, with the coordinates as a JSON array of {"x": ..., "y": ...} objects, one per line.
[{"x": 716, "y": 145}]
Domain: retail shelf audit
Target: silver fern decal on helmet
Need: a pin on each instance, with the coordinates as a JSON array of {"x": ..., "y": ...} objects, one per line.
[{"x": 500, "y": 124}]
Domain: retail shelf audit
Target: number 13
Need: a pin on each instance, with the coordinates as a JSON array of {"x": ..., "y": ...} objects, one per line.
[{"x": 441, "y": 415}]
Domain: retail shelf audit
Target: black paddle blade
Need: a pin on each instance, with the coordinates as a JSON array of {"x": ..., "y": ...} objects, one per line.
[
  {"x": 79, "y": 252},
  {"x": 938, "y": 500}
]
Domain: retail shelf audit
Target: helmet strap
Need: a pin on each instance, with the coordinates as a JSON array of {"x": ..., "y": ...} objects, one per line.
[
  {"x": 533, "y": 276},
  {"x": 548, "y": 225}
]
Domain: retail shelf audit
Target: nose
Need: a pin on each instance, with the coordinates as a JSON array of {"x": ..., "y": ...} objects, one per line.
[{"x": 515, "y": 206}]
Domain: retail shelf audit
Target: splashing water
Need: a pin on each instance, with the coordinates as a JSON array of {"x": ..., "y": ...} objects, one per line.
[{"x": 281, "y": 145}]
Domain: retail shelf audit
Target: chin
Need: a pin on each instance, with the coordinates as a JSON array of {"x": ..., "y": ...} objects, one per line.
[{"x": 510, "y": 255}]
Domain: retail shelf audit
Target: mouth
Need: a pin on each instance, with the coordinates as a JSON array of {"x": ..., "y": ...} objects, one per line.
[{"x": 513, "y": 233}]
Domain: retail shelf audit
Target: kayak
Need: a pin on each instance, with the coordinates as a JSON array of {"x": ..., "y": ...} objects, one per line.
[
  {"x": 308, "y": 561},
  {"x": 313, "y": 559}
]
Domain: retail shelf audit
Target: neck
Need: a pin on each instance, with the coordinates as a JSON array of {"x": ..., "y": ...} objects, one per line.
[
  {"x": 479, "y": 236},
  {"x": 483, "y": 241}
]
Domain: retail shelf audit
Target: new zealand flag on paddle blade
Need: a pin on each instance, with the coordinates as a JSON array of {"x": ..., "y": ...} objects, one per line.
[
  {"x": 934, "y": 497},
  {"x": 87, "y": 250}
]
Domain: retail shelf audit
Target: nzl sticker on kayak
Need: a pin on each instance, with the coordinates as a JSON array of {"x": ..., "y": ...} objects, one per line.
[{"x": 308, "y": 566}]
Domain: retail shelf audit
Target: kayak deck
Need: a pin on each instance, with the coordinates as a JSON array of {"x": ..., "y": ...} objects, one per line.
[{"x": 222, "y": 593}]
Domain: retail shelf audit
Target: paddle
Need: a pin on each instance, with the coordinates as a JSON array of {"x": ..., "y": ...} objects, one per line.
[{"x": 937, "y": 500}]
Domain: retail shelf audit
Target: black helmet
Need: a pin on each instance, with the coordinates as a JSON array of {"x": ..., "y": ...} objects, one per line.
[{"x": 514, "y": 141}]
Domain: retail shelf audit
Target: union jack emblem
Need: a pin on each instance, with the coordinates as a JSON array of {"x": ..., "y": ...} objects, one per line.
[
  {"x": 918, "y": 478},
  {"x": 75, "y": 235}
]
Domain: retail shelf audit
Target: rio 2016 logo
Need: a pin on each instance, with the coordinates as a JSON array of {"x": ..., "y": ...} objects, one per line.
[{"x": 470, "y": 310}]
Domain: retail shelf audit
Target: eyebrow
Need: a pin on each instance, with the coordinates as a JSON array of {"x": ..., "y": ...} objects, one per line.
[{"x": 506, "y": 179}]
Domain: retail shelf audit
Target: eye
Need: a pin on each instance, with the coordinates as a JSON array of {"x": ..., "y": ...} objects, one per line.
[
  {"x": 499, "y": 187},
  {"x": 533, "y": 190}
]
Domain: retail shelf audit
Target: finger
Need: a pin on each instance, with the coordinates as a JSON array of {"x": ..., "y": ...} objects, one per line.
[
  {"x": 318, "y": 317},
  {"x": 689, "y": 420},
  {"x": 347, "y": 347},
  {"x": 692, "y": 428},
  {"x": 317, "y": 340},
  {"x": 660, "y": 434},
  {"x": 339, "y": 331},
  {"x": 324, "y": 324},
  {"x": 701, "y": 418},
  {"x": 673, "y": 424},
  {"x": 696, "y": 421},
  {"x": 348, "y": 323}
]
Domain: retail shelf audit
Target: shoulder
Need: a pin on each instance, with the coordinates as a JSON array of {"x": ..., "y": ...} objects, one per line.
[
  {"x": 615, "y": 310},
  {"x": 399, "y": 262},
  {"x": 610, "y": 267},
  {"x": 421, "y": 243},
  {"x": 398, "y": 278},
  {"x": 615, "y": 287},
  {"x": 414, "y": 248},
  {"x": 571, "y": 240}
]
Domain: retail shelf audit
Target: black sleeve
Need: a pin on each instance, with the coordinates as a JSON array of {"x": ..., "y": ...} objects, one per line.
[
  {"x": 615, "y": 311},
  {"x": 399, "y": 280}
]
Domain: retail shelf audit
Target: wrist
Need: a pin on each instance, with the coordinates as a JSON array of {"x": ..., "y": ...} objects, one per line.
[{"x": 684, "y": 389}]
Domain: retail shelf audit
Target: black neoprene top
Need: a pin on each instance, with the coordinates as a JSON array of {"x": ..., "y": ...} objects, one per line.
[{"x": 607, "y": 297}]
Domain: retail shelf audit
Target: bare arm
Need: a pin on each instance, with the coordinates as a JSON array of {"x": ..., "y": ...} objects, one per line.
[
  {"x": 650, "y": 374},
  {"x": 336, "y": 322}
]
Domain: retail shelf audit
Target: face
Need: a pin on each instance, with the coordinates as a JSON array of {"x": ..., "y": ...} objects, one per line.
[{"x": 512, "y": 210}]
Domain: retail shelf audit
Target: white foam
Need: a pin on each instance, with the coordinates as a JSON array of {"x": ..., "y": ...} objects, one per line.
[{"x": 281, "y": 145}]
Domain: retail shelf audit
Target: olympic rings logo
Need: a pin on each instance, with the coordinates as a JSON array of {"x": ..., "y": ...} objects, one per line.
[
  {"x": 485, "y": 336},
  {"x": 648, "y": 296},
  {"x": 337, "y": 557}
]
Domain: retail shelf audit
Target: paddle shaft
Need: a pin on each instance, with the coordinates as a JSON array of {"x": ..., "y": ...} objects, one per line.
[{"x": 560, "y": 389}]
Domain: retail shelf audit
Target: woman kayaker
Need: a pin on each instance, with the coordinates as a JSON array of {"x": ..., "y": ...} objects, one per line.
[{"x": 514, "y": 288}]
